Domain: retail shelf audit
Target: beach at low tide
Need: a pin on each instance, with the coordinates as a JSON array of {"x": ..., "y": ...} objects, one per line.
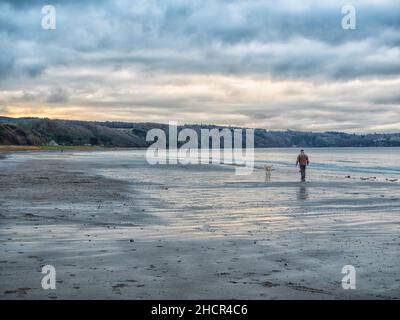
[{"x": 115, "y": 227}]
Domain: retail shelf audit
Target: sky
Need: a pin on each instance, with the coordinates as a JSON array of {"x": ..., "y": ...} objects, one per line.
[{"x": 263, "y": 64}]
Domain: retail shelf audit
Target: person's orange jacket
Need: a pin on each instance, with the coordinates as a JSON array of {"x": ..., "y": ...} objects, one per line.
[{"x": 302, "y": 159}]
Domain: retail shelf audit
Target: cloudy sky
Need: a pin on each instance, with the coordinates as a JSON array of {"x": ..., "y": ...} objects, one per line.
[{"x": 286, "y": 65}]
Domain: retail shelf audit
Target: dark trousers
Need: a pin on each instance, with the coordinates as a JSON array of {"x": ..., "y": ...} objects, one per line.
[{"x": 303, "y": 171}]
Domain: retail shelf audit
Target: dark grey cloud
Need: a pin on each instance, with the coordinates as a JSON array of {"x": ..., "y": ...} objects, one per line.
[
  {"x": 57, "y": 95},
  {"x": 208, "y": 31}
]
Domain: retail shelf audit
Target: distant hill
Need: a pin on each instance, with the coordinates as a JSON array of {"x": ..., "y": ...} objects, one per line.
[{"x": 37, "y": 131}]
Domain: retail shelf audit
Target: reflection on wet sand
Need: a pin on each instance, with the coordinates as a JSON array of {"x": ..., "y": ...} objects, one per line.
[
  {"x": 268, "y": 170},
  {"x": 302, "y": 193}
]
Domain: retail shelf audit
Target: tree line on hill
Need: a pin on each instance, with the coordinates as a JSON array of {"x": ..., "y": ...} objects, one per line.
[{"x": 38, "y": 131}]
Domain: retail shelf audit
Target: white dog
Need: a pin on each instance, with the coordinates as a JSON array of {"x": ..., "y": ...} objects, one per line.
[{"x": 269, "y": 169}]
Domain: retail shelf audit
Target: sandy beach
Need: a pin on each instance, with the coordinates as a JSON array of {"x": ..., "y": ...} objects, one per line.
[{"x": 115, "y": 227}]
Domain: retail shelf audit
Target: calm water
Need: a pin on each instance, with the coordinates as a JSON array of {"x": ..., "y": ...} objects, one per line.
[{"x": 384, "y": 161}]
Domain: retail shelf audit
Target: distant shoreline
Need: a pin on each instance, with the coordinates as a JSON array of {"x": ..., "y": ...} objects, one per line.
[
  {"x": 25, "y": 148},
  {"x": 18, "y": 148}
]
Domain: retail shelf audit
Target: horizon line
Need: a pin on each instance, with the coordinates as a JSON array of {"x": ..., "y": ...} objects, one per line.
[{"x": 205, "y": 124}]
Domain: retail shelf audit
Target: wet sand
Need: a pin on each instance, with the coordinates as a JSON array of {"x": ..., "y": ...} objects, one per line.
[{"x": 117, "y": 228}]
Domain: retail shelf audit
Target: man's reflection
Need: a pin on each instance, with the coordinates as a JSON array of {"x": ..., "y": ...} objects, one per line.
[
  {"x": 302, "y": 193},
  {"x": 267, "y": 176}
]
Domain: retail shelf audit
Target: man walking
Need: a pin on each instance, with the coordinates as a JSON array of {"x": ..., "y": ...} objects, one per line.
[{"x": 303, "y": 162}]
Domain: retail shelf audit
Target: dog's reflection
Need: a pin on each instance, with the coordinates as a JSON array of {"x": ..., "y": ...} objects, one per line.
[
  {"x": 268, "y": 171},
  {"x": 302, "y": 193}
]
